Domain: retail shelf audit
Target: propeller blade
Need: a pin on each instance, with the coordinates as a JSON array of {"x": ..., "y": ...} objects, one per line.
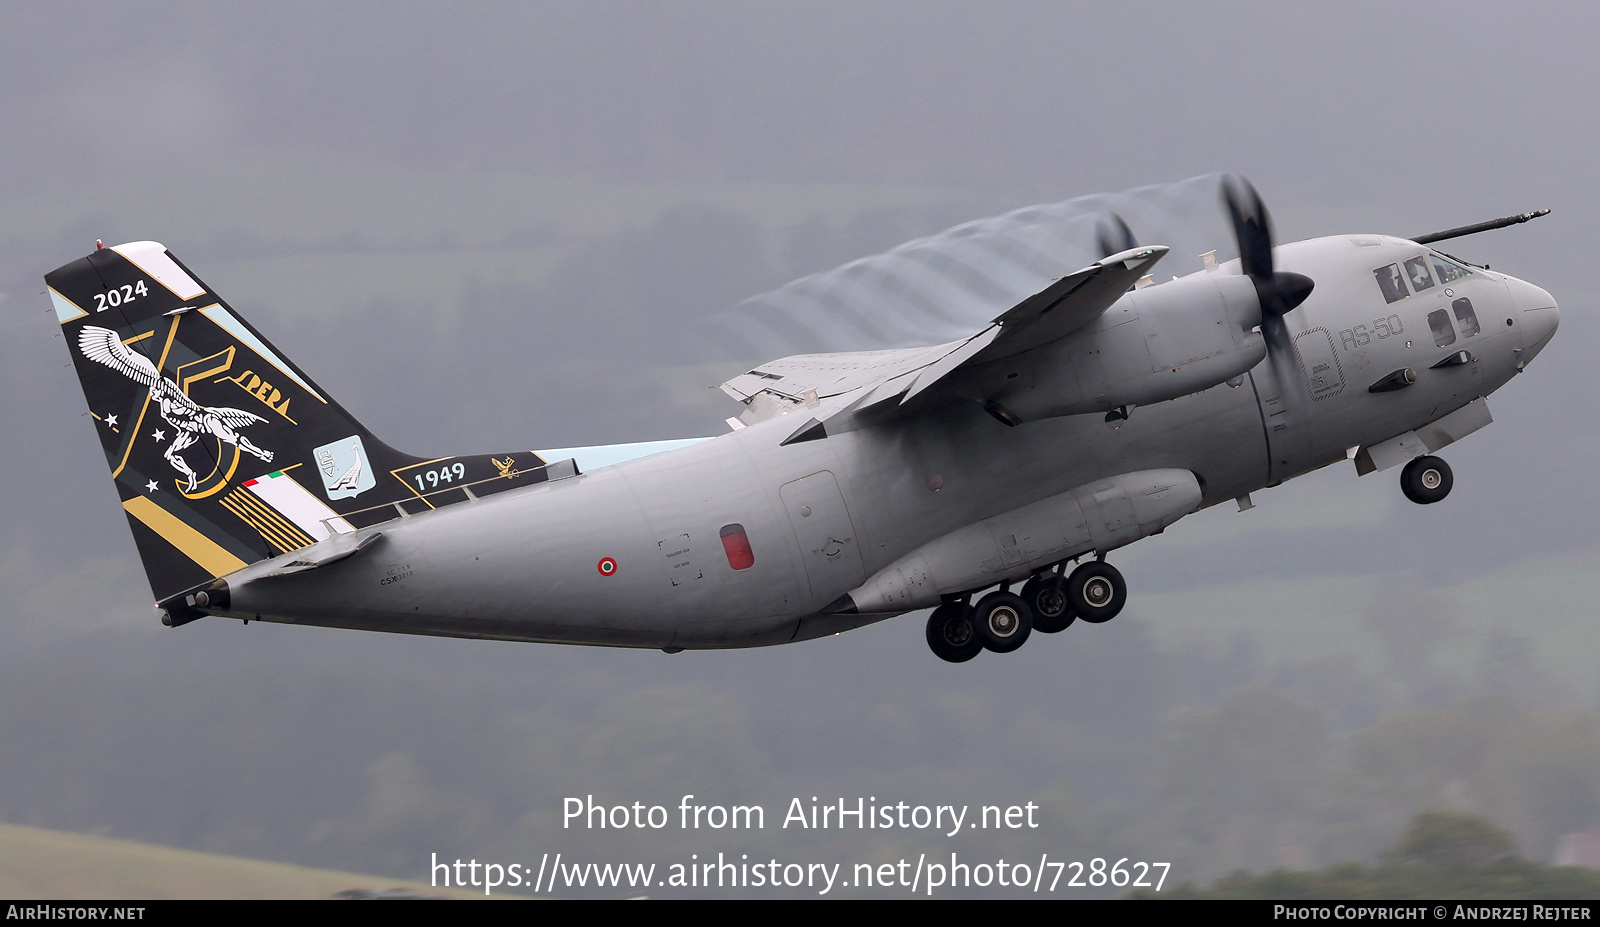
[
  {"x": 1115, "y": 236},
  {"x": 1278, "y": 292},
  {"x": 1252, "y": 226}
]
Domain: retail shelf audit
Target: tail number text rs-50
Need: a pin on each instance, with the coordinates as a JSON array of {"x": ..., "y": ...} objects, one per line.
[{"x": 1362, "y": 335}]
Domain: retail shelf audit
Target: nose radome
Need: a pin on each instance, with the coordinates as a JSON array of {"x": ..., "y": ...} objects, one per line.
[
  {"x": 1539, "y": 326},
  {"x": 1539, "y": 312}
]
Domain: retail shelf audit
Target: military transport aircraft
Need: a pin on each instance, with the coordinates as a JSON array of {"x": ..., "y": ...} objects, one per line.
[{"x": 854, "y": 486}]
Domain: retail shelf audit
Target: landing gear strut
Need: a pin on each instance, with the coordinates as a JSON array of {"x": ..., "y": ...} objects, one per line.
[
  {"x": 950, "y": 633},
  {"x": 1426, "y": 480},
  {"x": 1046, "y": 596}
]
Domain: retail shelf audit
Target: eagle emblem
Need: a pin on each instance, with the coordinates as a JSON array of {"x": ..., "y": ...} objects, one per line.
[{"x": 189, "y": 420}]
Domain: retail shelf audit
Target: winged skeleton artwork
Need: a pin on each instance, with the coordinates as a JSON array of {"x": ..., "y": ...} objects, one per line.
[{"x": 189, "y": 420}]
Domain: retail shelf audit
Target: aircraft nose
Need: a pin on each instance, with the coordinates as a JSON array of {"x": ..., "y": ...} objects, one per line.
[{"x": 1540, "y": 316}]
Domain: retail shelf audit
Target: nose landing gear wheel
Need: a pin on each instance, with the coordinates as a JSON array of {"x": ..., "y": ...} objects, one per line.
[
  {"x": 1047, "y": 599},
  {"x": 1096, "y": 591},
  {"x": 1002, "y": 621},
  {"x": 950, "y": 633},
  {"x": 1426, "y": 480}
]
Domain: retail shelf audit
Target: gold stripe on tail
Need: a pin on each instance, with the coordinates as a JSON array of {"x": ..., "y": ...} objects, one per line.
[
  {"x": 277, "y": 531},
  {"x": 194, "y": 545}
]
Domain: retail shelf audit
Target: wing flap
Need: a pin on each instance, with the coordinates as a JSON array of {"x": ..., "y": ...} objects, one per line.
[
  {"x": 830, "y": 374},
  {"x": 937, "y": 370}
]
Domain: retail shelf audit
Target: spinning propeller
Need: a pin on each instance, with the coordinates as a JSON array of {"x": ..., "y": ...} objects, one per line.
[
  {"x": 1115, "y": 236},
  {"x": 1279, "y": 292}
]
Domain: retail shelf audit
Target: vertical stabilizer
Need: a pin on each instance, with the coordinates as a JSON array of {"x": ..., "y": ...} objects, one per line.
[{"x": 223, "y": 451}]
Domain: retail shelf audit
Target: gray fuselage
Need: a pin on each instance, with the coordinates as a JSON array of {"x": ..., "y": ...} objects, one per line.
[{"x": 822, "y": 517}]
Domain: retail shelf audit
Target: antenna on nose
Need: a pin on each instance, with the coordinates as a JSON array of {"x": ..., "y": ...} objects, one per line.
[{"x": 1480, "y": 227}]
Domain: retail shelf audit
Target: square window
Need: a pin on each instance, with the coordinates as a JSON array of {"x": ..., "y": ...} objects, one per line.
[
  {"x": 1465, "y": 317},
  {"x": 1443, "y": 332},
  {"x": 1391, "y": 283},
  {"x": 1417, "y": 273}
]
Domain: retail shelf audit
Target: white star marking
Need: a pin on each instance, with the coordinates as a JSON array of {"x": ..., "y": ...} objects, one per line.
[
  {"x": 111, "y": 421},
  {"x": 151, "y": 486},
  {"x": 159, "y": 435}
]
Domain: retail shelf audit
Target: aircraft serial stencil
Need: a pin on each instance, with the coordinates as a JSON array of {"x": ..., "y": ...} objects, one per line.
[{"x": 854, "y": 486}]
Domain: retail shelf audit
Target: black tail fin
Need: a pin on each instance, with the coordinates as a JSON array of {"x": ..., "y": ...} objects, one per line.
[{"x": 223, "y": 451}]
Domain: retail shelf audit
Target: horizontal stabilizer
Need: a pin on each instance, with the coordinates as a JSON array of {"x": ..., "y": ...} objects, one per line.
[{"x": 336, "y": 548}]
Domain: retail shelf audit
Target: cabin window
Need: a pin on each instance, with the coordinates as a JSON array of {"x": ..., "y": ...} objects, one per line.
[
  {"x": 1465, "y": 317},
  {"x": 1443, "y": 332},
  {"x": 1417, "y": 273},
  {"x": 1448, "y": 270},
  {"x": 737, "y": 546},
  {"x": 1391, "y": 283}
]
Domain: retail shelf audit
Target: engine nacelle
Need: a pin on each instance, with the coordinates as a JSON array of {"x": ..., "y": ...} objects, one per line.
[
  {"x": 1098, "y": 516},
  {"x": 1156, "y": 343}
]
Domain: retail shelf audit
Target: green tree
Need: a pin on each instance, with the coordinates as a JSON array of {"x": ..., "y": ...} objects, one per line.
[{"x": 1452, "y": 840}]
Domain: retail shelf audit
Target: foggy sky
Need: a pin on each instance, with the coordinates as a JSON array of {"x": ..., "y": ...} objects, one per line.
[{"x": 274, "y": 141}]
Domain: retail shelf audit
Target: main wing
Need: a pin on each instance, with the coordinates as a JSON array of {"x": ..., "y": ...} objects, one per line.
[{"x": 837, "y": 386}]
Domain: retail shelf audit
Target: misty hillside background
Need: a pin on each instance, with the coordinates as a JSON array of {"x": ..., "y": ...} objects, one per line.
[{"x": 490, "y": 226}]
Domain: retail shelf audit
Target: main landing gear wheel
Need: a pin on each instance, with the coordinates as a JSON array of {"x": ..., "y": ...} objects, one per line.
[
  {"x": 1095, "y": 591},
  {"x": 950, "y": 633},
  {"x": 1047, "y": 599},
  {"x": 1426, "y": 480},
  {"x": 1002, "y": 621}
]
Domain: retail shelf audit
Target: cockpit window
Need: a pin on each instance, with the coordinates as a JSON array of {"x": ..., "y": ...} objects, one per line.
[
  {"x": 1465, "y": 317},
  {"x": 1443, "y": 332},
  {"x": 1417, "y": 273},
  {"x": 1391, "y": 283},
  {"x": 1448, "y": 270}
]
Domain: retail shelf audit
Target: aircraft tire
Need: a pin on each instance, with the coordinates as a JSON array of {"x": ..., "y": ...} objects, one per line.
[
  {"x": 1096, "y": 591},
  {"x": 1426, "y": 480},
  {"x": 950, "y": 633},
  {"x": 1048, "y": 602},
  {"x": 1002, "y": 621}
]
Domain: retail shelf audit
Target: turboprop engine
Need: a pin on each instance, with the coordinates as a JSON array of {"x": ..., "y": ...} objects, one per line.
[
  {"x": 1159, "y": 342},
  {"x": 1156, "y": 343}
]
